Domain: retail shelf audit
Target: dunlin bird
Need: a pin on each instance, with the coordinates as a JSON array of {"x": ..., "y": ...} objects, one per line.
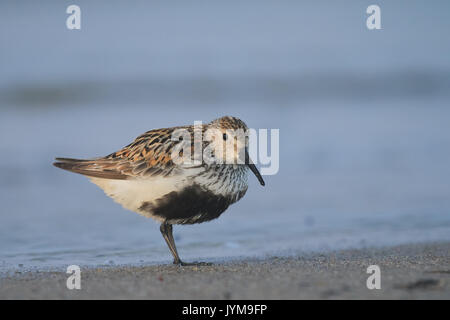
[{"x": 146, "y": 178}]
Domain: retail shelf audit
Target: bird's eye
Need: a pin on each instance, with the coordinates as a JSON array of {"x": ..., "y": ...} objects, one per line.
[{"x": 225, "y": 137}]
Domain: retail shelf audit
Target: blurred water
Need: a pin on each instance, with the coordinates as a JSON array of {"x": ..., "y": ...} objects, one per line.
[{"x": 363, "y": 118}]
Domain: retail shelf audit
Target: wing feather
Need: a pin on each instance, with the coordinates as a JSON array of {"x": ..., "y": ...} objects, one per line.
[{"x": 148, "y": 155}]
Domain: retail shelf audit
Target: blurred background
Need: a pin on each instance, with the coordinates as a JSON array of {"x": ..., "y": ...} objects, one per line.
[{"x": 363, "y": 118}]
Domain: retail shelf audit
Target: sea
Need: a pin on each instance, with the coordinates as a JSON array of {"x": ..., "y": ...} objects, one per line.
[{"x": 363, "y": 118}]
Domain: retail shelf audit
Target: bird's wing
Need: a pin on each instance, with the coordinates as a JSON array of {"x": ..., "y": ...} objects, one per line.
[{"x": 149, "y": 155}]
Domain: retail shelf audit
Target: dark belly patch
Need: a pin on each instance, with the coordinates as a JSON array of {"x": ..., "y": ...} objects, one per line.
[{"x": 191, "y": 205}]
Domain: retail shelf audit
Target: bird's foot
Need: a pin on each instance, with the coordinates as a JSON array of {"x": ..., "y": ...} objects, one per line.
[{"x": 195, "y": 263}]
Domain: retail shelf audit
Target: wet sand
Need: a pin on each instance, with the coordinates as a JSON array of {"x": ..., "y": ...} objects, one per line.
[{"x": 415, "y": 271}]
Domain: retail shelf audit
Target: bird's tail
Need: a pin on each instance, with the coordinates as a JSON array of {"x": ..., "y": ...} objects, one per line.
[{"x": 99, "y": 168}]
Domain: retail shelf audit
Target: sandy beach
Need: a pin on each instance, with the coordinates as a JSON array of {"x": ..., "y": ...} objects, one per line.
[{"x": 416, "y": 271}]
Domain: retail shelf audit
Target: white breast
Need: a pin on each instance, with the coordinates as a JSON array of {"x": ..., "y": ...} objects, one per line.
[{"x": 224, "y": 180}]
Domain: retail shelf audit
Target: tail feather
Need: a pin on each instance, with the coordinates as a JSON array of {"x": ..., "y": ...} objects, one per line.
[
  {"x": 73, "y": 160},
  {"x": 99, "y": 168}
]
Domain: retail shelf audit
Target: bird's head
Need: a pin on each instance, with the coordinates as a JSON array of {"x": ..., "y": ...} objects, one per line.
[{"x": 228, "y": 139}]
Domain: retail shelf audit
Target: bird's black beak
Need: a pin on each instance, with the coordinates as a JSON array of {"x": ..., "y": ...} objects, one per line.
[{"x": 249, "y": 163}]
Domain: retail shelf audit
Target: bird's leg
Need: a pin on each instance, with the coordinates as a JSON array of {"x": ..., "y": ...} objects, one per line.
[{"x": 166, "y": 230}]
